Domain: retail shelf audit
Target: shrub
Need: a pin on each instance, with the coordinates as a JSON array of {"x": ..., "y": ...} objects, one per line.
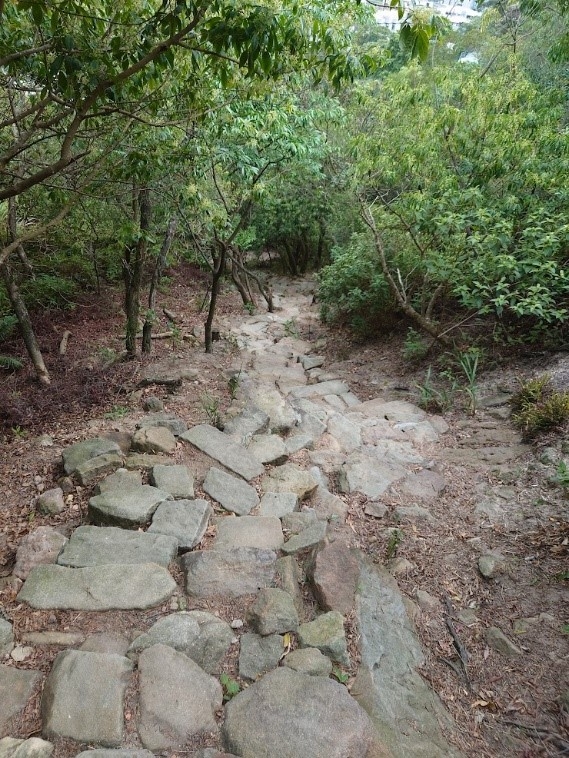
[{"x": 538, "y": 408}]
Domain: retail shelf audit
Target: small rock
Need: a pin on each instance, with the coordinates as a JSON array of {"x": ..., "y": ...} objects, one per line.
[
  {"x": 310, "y": 537},
  {"x": 278, "y": 504},
  {"x": 427, "y": 602},
  {"x": 6, "y": 637},
  {"x": 121, "y": 479},
  {"x": 375, "y": 509},
  {"x": 154, "y": 439},
  {"x": 16, "y": 688},
  {"x": 467, "y": 616},
  {"x": 153, "y": 403},
  {"x": 57, "y": 639},
  {"x": 490, "y": 564},
  {"x": 290, "y": 478},
  {"x": 167, "y": 420},
  {"x": 294, "y": 523},
  {"x": 400, "y": 566},
  {"x": 308, "y": 660},
  {"x": 498, "y": 641},
  {"x": 51, "y": 501},
  {"x": 176, "y": 479},
  {"x": 522, "y": 626},
  {"x": 10, "y": 747},
  {"x": 20, "y": 653},
  {"x": 259, "y": 654},
  {"x": 273, "y": 612},
  {"x": 326, "y": 633},
  {"x": 236, "y": 624},
  {"x": 42, "y": 546},
  {"x": 233, "y": 494}
]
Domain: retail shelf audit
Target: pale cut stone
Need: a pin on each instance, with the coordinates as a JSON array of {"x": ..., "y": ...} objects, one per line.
[
  {"x": 97, "y": 546},
  {"x": 240, "y": 571},
  {"x": 269, "y": 448},
  {"x": 184, "y": 520},
  {"x": 154, "y": 439},
  {"x": 80, "y": 452},
  {"x": 332, "y": 387},
  {"x": 308, "y": 660},
  {"x": 278, "y": 504},
  {"x": 42, "y": 546},
  {"x": 232, "y": 493},
  {"x": 326, "y": 633},
  {"x": 16, "y": 688},
  {"x": 130, "y": 507},
  {"x": 121, "y": 479},
  {"x": 249, "y": 531},
  {"x": 89, "y": 471},
  {"x": 51, "y": 501},
  {"x": 221, "y": 447},
  {"x": 10, "y": 747},
  {"x": 290, "y": 478},
  {"x": 176, "y": 480}
]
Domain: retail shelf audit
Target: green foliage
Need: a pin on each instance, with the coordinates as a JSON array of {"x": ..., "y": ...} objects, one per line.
[
  {"x": 468, "y": 362},
  {"x": 231, "y": 687},
  {"x": 436, "y": 397},
  {"x": 414, "y": 347},
  {"x": 117, "y": 412},
  {"x": 562, "y": 475},
  {"x": 339, "y": 675},
  {"x": 393, "y": 542},
  {"x": 212, "y": 410},
  {"x": 49, "y": 291},
  {"x": 538, "y": 408}
]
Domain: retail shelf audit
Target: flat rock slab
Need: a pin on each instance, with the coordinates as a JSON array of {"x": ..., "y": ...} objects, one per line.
[
  {"x": 119, "y": 480},
  {"x": 177, "y": 480},
  {"x": 167, "y": 420},
  {"x": 326, "y": 633},
  {"x": 335, "y": 575},
  {"x": 170, "y": 372},
  {"x": 10, "y": 747},
  {"x": 424, "y": 485},
  {"x": 273, "y": 612},
  {"x": 397, "y": 411},
  {"x": 346, "y": 433},
  {"x": 405, "y": 710},
  {"x": 128, "y": 508},
  {"x": 309, "y": 537},
  {"x": 222, "y": 448},
  {"x": 16, "y": 688},
  {"x": 119, "y": 753},
  {"x": 154, "y": 439},
  {"x": 233, "y": 494},
  {"x": 290, "y": 478},
  {"x": 308, "y": 660},
  {"x": 332, "y": 387},
  {"x": 177, "y": 699},
  {"x": 6, "y": 637},
  {"x": 103, "y": 545},
  {"x": 278, "y": 504},
  {"x": 83, "y": 697},
  {"x": 288, "y": 714},
  {"x": 184, "y": 520},
  {"x": 259, "y": 654},
  {"x": 97, "y": 588},
  {"x": 250, "y": 421},
  {"x": 249, "y": 531},
  {"x": 282, "y": 417},
  {"x": 269, "y": 448},
  {"x": 240, "y": 571},
  {"x": 369, "y": 476},
  {"x": 75, "y": 455},
  {"x": 89, "y": 471},
  {"x": 201, "y": 636},
  {"x": 41, "y": 546}
]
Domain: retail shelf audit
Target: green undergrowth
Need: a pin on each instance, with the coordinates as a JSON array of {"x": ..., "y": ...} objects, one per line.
[{"x": 539, "y": 408}]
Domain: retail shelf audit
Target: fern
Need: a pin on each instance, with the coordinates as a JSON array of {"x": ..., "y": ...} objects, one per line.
[
  {"x": 10, "y": 363},
  {"x": 7, "y": 325}
]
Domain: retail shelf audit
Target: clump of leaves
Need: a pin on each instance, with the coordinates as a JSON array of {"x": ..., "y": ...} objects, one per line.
[
  {"x": 340, "y": 675},
  {"x": 415, "y": 347},
  {"x": 211, "y": 407},
  {"x": 395, "y": 539},
  {"x": 436, "y": 399},
  {"x": 538, "y": 408},
  {"x": 231, "y": 687}
]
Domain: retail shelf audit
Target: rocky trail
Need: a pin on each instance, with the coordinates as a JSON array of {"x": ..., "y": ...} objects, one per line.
[{"x": 223, "y": 595}]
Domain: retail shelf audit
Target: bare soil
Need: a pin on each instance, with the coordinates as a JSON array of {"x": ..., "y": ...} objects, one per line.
[{"x": 507, "y": 707}]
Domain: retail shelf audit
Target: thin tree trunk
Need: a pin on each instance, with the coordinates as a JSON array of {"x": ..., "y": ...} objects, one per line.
[
  {"x": 218, "y": 269},
  {"x": 18, "y": 305},
  {"x": 156, "y": 277},
  {"x": 133, "y": 264}
]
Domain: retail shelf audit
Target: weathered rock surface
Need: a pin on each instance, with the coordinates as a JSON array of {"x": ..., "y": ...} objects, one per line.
[
  {"x": 240, "y": 571},
  {"x": 89, "y": 471},
  {"x": 278, "y": 504},
  {"x": 83, "y": 697},
  {"x": 117, "y": 753},
  {"x": 98, "y": 546},
  {"x": 269, "y": 448},
  {"x": 309, "y": 537},
  {"x": 169, "y": 421},
  {"x": 6, "y": 636},
  {"x": 30, "y": 748},
  {"x": 178, "y": 700},
  {"x": 222, "y": 448},
  {"x": 154, "y": 439},
  {"x": 128, "y": 508},
  {"x": 201, "y": 636},
  {"x": 41, "y": 546},
  {"x": 16, "y": 688},
  {"x": 51, "y": 501},
  {"x": 233, "y": 494},
  {"x": 97, "y": 588},
  {"x": 177, "y": 480},
  {"x": 273, "y": 612},
  {"x": 498, "y": 641},
  {"x": 288, "y": 714},
  {"x": 335, "y": 575},
  {"x": 326, "y": 633},
  {"x": 333, "y": 387},
  {"x": 121, "y": 479},
  {"x": 290, "y": 478},
  {"x": 259, "y": 654},
  {"x": 308, "y": 660},
  {"x": 76, "y": 455},
  {"x": 249, "y": 531},
  {"x": 184, "y": 520}
]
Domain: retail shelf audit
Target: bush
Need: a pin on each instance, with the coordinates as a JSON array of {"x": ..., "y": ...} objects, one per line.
[{"x": 538, "y": 408}]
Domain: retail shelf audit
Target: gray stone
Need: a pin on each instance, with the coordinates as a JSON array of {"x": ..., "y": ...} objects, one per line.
[
  {"x": 6, "y": 637},
  {"x": 106, "y": 642},
  {"x": 42, "y": 546},
  {"x": 427, "y": 602},
  {"x": 173, "y": 423},
  {"x": 170, "y": 372},
  {"x": 128, "y": 508},
  {"x": 326, "y": 633},
  {"x": 273, "y": 612},
  {"x": 51, "y": 501},
  {"x": 311, "y": 361},
  {"x": 297, "y": 442},
  {"x": 75, "y": 455},
  {"x": 376, "y": 510},
  {"x": 153, "y": 404},
  {"x": 397, "y": 411},
  {"x": 184, "y": 520},
  {"x": 490, "y": 564},
  {"x": 413, "y": 513},
  {"x": 328, "y": 506},
  {"x": 404, "y": 709},
  {"x": 233, "y": 494},
  {"x": 310, "y": 537},
  {"x": 350, "y": 399},
  {"x": 178, "y": 700},
  {"x": 308, "y": 660},
  {"x": 241, "y": 571},
  {"x": 282, "y": 417},
  {"x": 122, "y": 479},
  {"x": 145, "y": 461},
  {"x": 498, "y": 641},
  {"x": 83, "y": 697},
  {"x": 154, "y": 439},
  {"x": 335, "y": 575},
  {"x": 289, "y": 714},
  {"x": 269, "y": 448},
  {"x": 211, "y": 752},
  {"x": 119, "y": 753},
  {"x": 369, "y": 476},
  {"x": 345, "y": 432},
  {"x": 89, "y": 471},
  {"x": 424, "y": 485},
  {"x": 201, "y": 636},
  {"x": 259, "y": 654},
  {"x": 16, "y": 688},
  {"x": 221, "y": 447},
  {"x": 248, "y": 531},
  {"x": 97, "y": 588},
  {"x": 295, "y": 523},
  {"x": 177, "y": 480},
  {"x": 10, "y": 747},
  {"x": 249, "y": 422},
  {"x": 57, "y": 639},
  {"x": 400, "y": 566},
  {"x": 278, "y": 504},
  {"x": 98, "y": 546},
  {"x": 290, "y": 478},
  {"x": 289, "y": 578},
  {"x": 420, "y": 432},
  {"x": 333, "y": 387}
]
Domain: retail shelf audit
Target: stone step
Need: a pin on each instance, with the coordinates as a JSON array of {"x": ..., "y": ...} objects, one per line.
[
  {"x": 102, "y": 545},
  {"x": 222, "y": 448}
]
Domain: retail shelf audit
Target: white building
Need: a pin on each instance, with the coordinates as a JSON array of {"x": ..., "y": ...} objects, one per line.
[{"x": 457, "y": 12}]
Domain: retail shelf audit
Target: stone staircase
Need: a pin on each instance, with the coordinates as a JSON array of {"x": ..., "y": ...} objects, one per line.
[{"x": 314, "y": 605}]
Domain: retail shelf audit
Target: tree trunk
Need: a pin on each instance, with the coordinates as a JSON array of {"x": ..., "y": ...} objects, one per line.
[
  {"x": 18, "y": 305},
  {"x": 218, "y": 269},
  {"x": 156, "y": 277},
  {"x": 19, "y": 308},
  {"x": 133, "y": 264}
]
